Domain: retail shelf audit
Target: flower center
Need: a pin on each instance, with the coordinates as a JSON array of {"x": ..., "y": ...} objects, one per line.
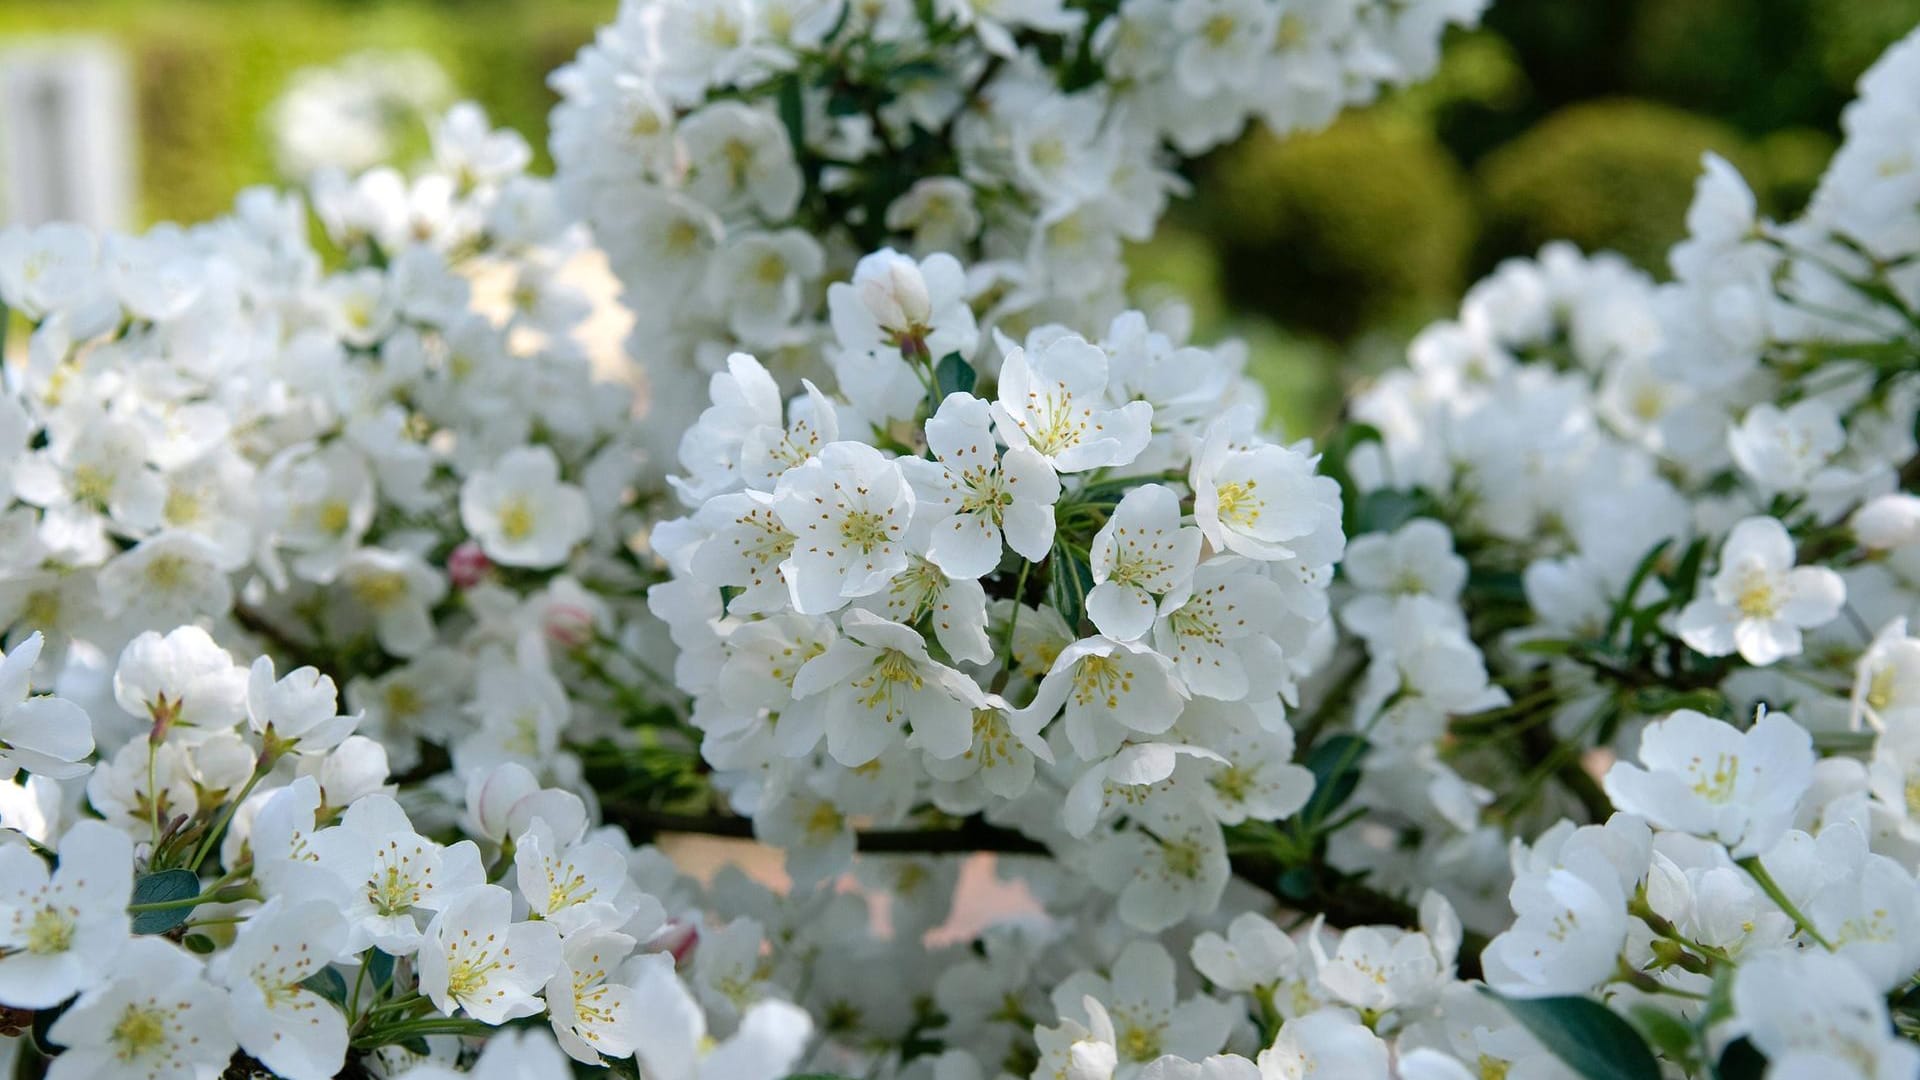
[
  {"x": 1757, "y": 599},
  {"x": 1139, "y": 1044},
  {"x": 139, "y": 1032},
  {"x": 516, "y": 519},
  {"x": 1100, "y": 680},
  {"x": 1238, "y": 504},
  {"x": 865, "y": 530},
  {"x": 380, "y": 590},
  {"x": 1717, "y": 786},
  {"x": 334, "y": 516},
  {"x": 1182, "y": 859},
  {"x": 51, "y": 932},
  {"x": 167, "y": 572}
]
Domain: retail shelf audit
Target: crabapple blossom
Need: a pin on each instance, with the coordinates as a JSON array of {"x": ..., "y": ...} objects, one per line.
[
  {"x": 522, "y": 513},
  {"x": 156, "y": 1016},
  {"x": 1759, "y": 601},
  {"x": 1705, "y": 776},
  {"x": 476, "y": 960}
]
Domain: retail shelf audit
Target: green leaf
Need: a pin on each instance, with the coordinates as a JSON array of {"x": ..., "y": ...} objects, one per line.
[
  {"x": 1296, "y": 883},
  {"x": 1587, "y": 1037},
  {"x": 793, "y": 114},
  {"x": 198, "y": 944},
  {"x": 1623, "y": 606},
  {"x": 1658, "y": 700},
  {"x": 1335, "y": 764},
  {"x": 1069, "y": 581},
  {"x": 380, "y": 969},
  {"x": 1666, "y": 1032},
  {"x": 953, "y": 376},
  {"x": 1386, "y": 510},
  {"x": 1546, "y": 647},
  {"x": 1741, "y": 1061},
  {"x": 165, "y": 887},
  {"x": 328, "y": 984},
  {"x": 1685, "y": 578}
]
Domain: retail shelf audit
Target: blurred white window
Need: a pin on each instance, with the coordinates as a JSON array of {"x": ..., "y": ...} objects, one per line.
[{"x": 66, "y": 133}]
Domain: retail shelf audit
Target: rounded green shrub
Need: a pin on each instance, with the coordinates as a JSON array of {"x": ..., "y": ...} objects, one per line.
[
  {"x": 1333, "y": 232},
  {"x": 1614, "y": 174}
]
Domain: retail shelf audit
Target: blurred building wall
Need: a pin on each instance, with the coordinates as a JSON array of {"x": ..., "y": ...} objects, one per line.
[{"x": 66, "y": 133}]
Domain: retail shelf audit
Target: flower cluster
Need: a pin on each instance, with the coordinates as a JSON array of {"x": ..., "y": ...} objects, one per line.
[
  {"x": 355, "y": 114},
  {"x": 1559, "y": 716},
  {"x": 252, "y": 885},
  {"x": 1079, "y": 601},
  {"x": 329, "y": 453},
  {"x": 734, "y": 156}
]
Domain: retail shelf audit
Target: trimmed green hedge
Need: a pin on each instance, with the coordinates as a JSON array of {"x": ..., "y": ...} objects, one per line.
[
  {"x": 1368, "y": 221},
  {"x": 205, "y": 72},
  {"x": 1608, "y": 174}
]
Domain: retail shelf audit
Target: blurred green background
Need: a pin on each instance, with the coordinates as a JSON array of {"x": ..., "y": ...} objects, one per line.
[{"x": 1582, "y": 119}]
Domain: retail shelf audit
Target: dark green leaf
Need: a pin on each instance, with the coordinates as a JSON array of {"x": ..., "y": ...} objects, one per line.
[
  {"x": 1386, "y": 510},
  {"x": 1335, "y": 764},
  {"x": 1587, "y": 1037},
  {"x": 1069, "y": 582},
  {"x": 162, "y": 888},
  {"x": 843, "y": 103},
  {"x": 43, "y": 1021},
  {"x": 1497, "y": 585},
  {"x": 380, "y": 969},
  {"x": 953, "y": 376},
  {"x": 1740, "y": 1061},
  {"x": 1297, "y": 883},
  {"x": 1686, "y": 576},
  {"x": 198, "y": 944},
  {"x": 328, "y": 984},
  {"x": 1624, "y": 604},
  {"x": 793, "y": 114}
]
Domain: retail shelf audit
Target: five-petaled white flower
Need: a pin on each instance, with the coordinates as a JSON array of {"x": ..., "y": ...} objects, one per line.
[
  {"x": 47, "y": 736},
  {"x": 1143, "y": 561},
  {"x": 1759, "y": 601},
  {"x": 1706, "y": 777},
  {"x": 848, "y": 510},
  {"x": 1053, "y": 399},
  {"x": 156, "y": 1018},
  {"x": 882, "y": 681},
  {"x": 476, "y": 959},
  {"x": 60, "y": 932},
  {"x": 288, "y": 1027},
  {"x": 521, "y": 511},
  {"x": 1265, "y": 501},
  {"x": 973, "y": 497}
]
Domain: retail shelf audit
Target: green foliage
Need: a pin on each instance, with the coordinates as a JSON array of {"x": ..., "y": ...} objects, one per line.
[
  {"x": 1586, "y": 1036},
  {"x": 204, "y": 72},
  {"x": 170, "y": 895},
  {"x": 1612, "y": 174},
  {"x": 1791, "y": 161},
  {"x": 1337, "y": 231}
]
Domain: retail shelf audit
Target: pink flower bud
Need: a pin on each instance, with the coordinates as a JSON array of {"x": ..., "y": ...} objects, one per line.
[
  {"x": 678, "y": 939},
  {"x": 568, "y": 625},
  {"x": 467, "y": 566}
]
